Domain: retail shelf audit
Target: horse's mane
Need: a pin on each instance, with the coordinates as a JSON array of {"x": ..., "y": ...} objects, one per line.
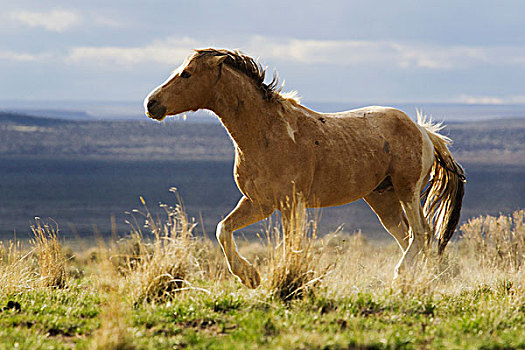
[{"x": 248, "y": 66}]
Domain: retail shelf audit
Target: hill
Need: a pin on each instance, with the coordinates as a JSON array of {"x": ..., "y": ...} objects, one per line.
[
  {"x": 499, "y": 141},
  {"x": 130, "y": 140},
  {"x": 12, "y": 118}
]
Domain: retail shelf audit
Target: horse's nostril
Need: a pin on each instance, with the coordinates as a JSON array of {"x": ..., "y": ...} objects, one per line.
[
  {"x": 151, "y": 104},
  {"x": 155, "y": 109}
]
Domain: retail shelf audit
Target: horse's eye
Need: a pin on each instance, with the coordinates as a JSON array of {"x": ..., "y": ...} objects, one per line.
[{"x": 185, "y": 75}]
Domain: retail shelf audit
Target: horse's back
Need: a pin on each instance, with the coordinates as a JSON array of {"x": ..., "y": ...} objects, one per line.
[
  {"x": 380, "y": 113},
  {"x": 389, "y": 123}
]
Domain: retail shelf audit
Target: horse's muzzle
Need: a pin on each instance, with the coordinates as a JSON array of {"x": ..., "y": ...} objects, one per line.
[{"x": 155, "y": 110}]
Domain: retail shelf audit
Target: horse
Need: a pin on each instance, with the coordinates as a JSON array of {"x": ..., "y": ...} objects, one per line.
[{"x": 403, "y": 169}]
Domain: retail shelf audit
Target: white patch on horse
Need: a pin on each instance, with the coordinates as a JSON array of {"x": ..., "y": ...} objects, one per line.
[{"x": 291, "y": 131}]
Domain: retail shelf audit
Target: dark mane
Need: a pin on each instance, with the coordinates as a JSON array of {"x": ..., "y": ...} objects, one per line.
[{"x": 248, "y": 66}]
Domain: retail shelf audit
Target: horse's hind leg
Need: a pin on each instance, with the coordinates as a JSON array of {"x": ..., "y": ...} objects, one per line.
[
  {"x": 388, "y": 209},
  {"x": 418, "y": 233},
  {"x": 408, "y": 186},
  {"x": 245, "y": 213}
]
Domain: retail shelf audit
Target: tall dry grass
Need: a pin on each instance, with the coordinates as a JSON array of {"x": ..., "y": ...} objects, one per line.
[
  {"x": 498, "y": 241},
  {"x": 43, "y": 264},
  {"x": 362, "y": 265},
  {"x": 294, "y": 257},
  {"x": 17, "y": 271},
  {"x": 160, "y": 255},
  {"x": 49, "y": 254},
  {"x": 488, "y": 251}
]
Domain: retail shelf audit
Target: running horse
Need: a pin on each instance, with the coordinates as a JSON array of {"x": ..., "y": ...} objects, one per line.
[{"x": 402, "y": 169}]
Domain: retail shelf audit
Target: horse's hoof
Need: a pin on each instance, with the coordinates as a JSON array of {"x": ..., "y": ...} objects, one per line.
[
  {"x": 398, "y": 282},
  {"x": 251, "y": 279},
  {"x": 402, "y": 283},
  {"x": 249, "y": 276}
]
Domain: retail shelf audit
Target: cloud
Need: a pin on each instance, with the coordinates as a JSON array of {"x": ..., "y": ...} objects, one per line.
[
  {"x": 320, "y": 51},
  {"x": 21, "y": 57},
  {"x": 388, "y": 54},
  {"x": 108, "y": 21},
  {"x": 491, "y": 100},
  {"x": 170, "y": 51},
  {"x": 55, "y": 20}
]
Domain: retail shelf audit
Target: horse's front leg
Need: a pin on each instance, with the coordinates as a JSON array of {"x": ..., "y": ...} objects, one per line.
[{"x": 245, "y": 213}]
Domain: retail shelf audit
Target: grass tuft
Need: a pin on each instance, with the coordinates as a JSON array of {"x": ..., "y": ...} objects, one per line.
[
  {"x": 294, "y": 260},
  {"x": 16, "y": 270},
  {"x": 497, "y": 241},
  {"x": 163, "y": 257},
  {"x": 51, "y": 260}
]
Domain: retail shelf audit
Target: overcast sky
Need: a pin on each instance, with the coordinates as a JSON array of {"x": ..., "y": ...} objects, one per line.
[{"x": 341, "y": 50}]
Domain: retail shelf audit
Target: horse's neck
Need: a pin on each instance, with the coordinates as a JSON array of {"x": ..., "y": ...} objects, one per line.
[{"x": 244, "y": 113}]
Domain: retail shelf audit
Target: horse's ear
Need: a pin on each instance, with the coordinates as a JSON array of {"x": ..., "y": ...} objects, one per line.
[{"x": 218, "y": 59}]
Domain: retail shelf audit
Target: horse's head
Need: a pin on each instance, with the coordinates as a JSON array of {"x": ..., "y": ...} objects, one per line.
[{"x": 188, "y": 88}]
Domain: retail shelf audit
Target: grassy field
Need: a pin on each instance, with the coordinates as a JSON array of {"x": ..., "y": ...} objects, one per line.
[{"x": 161, "y": 287}]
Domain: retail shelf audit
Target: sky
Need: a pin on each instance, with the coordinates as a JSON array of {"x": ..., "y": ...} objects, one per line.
[{"x": 329, "y": 51}]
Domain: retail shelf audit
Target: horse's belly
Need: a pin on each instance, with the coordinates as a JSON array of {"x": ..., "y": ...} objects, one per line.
[
  {"x": 338, "y": 195},
  {"x": 345, "y": 183}
]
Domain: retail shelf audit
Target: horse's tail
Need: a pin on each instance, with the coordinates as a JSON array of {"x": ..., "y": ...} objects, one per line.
[{"x": 443, "y": 195}]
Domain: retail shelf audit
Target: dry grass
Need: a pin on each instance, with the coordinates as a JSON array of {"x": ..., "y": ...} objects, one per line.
[
  {"x": 293, "y": 258},
  {"x": 210, "y": 261},
  {"x": 49, "y": 254},
  {"x": 490, "y": 251},
  {"x": 362, "y": 265},
  {"x": 44, "y": 265},
  {"x": 149, "y": 266},
  {"x": 16, "y": 268},
  {"x": 157, "y": 265},
  {"x": 115, "y": 312},
  {"x": 499, "y": 241},
  {"x": 162, "y": 257}
]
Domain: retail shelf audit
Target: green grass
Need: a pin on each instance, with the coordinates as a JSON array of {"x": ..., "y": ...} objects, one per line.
[
  {"x": 49, "y": 318},
  {"x": 236, "y": 318},
  {"x": 472, "y": 303}
]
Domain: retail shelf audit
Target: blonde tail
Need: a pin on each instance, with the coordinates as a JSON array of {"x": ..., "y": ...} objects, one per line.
[{"x": 444, "y": 194}]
